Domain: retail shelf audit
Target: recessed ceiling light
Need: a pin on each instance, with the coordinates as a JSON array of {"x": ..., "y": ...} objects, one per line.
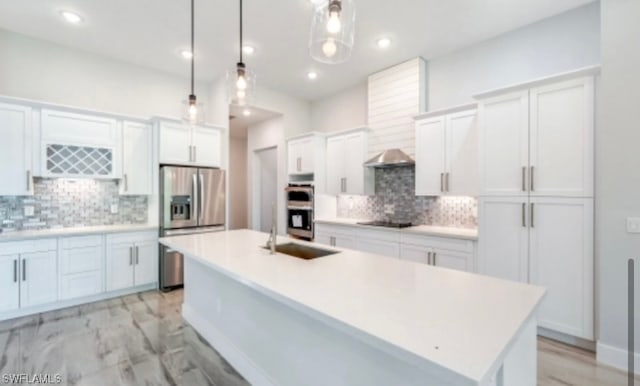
[
  {"x": 383, "y": 42},
  {"x": 248, "y": 50},
  {"x": 246, "y": 112},
  {"x": 312, "y": 75},
  {"x": 186, "y": 54},
  {"x": 71, "y": 17}
]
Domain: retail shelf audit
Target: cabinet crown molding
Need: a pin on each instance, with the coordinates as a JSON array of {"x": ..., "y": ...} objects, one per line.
[{"x": 445, "y": 111}]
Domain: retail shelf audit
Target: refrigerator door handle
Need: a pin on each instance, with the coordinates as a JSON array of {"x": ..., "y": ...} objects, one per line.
[
  {"x": 194, "y": 197},
  {"x": 200, "y": 196}
]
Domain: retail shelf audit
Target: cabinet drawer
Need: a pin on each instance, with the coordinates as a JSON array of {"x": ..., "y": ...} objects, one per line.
[
  {"x": 379, "y": 235},
  {"x": 81, "y": 284},
  {"x": 81, "y": 260},
  {"x": 131, "y": 237},
  {"x": 42, "y": 245},
  {"x": 438, "y": 242},
  {"x": 81, "y": 242},
  {"x": 335, "y": 229}
]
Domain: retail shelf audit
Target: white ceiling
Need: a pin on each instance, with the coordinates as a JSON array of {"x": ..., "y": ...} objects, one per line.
[
  {"x": 240, "y": 123},
  {"x": 153, "y": 32}
]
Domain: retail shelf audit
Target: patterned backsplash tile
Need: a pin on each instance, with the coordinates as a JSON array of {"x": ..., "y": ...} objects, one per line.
[
  {"x": 395, "y": 195},
  {"x": 71, "y": 202}
]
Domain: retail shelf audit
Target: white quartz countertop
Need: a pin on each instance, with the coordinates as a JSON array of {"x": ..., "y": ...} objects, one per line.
[
  {"x": 73, "y": 231},
  {"x": 457, "y": 322},
  {"x": 429, "y": 230}
]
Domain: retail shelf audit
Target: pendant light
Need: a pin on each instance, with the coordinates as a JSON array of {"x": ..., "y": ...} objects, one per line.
[
  {"x": 333, "y": 31},
  {"x": 241, "y": 82},
  {"x": 193, "y": 113}
]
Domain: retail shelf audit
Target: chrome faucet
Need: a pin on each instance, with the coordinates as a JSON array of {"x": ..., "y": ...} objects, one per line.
[{"x": 271, "y": 243}]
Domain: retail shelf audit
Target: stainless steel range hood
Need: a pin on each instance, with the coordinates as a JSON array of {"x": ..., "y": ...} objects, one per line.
[{"x": 389, "y": 159}]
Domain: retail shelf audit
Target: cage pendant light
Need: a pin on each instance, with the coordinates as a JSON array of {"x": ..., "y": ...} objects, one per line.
[
  {"x": 333, "y": 31},
  {"x": 241, "y": 82},
  {"x": 193, "y": 110}
]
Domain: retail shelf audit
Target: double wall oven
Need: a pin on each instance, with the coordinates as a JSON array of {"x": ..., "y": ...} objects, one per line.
[{"x": 300, "y": 211}]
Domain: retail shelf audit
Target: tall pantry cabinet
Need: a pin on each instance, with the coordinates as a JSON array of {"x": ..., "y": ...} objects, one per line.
[{"x": 536, "y": 207}]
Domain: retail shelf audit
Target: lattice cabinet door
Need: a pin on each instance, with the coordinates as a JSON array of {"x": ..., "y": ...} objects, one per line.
[{"x": 78, "y": 161}]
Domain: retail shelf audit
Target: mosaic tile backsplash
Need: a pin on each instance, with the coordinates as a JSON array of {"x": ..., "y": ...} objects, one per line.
[
  {"x": 395, "y": 194},
  {"x": 71, "y": 202}
]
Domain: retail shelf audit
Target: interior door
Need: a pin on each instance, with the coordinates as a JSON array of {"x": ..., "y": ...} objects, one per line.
[
  {"x": 562, "y": 261},
  {"x": 146, "y": 264},
  {"x": 562, "y": 132},
  {"x": 137, "y": 159},
  {"x": 462, "y": 154},
  {"x": 504, "y": 144},
  {"x": 503, "y": 238},
  {"x": 207, "y": 147},
  {"x": 9, "y": 282},
  {"x": 39, "y": 281},
  {"x": 178, "y": 191},
  {"x": 211, "y": 196},
  {"x": 335, "y": 165},
  {"x": 430, "y": 157}
]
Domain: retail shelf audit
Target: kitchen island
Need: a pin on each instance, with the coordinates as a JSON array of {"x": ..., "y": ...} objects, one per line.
[{"x": 354, "y": 318}]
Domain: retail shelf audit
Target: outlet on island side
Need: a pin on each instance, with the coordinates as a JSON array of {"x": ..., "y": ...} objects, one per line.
[{"x": 114, "y": 209}]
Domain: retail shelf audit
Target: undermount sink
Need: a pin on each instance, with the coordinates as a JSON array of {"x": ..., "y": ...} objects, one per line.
[{"x": 302, "y": 251}]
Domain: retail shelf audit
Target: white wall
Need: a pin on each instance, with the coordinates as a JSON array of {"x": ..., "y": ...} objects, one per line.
[
  {"x": 344, "y": 110},
  {"x": 263, "y": 135},
  {"x": 561, "y": 43},
  {"x": 36, "y": 69},
  {"x": 238, "y": 215},
  {"x": 268, "y": 175},
  {"x": 618, "y": 176}
]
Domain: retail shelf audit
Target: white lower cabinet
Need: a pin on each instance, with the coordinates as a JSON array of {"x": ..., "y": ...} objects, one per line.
[
  {"x": 133, "y": 260},
  {"x": 28, "y": 274},
  {"x": 439, "y": 251},
  {"x": 547, "y": 242},
  {"x": 81, "y": 266}
]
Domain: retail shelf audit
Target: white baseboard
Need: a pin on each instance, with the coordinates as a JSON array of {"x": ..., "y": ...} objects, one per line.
[
  {"x": 74, "y": 302},
  {"x": 243, "y": 365},
  {"x": 616, "y": 357},
  {"x": 567, "y": 339}
]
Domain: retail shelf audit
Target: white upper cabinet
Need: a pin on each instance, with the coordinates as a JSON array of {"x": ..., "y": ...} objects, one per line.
[
  {"x": 78, "y": 129},
  {"x": 137, "y": 159},
  {"x": 561, "y": 139},
  {"x": 182, "y": 144},
  {"x": 206, "y": 146},
  {"x": 446, "y": 154},
  {"x": 15, "y": 150},
  {"x": 430, "y": 157},
  {"x": 301, "y": 155},
  {"x": 539, "y": 141},
  {"x": 504, "y": 144},
  {"x": 346, "y": 154}
]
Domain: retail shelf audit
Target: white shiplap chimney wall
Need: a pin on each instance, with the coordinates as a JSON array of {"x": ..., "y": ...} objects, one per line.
[{"x": 395, "y": 96}]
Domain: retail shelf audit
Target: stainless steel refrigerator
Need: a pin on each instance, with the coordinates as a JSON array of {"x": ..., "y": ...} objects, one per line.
[{"x": 192, "y": 200}]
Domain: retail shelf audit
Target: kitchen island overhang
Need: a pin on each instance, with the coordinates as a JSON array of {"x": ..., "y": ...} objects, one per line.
[{"x": 354, "y": 318}]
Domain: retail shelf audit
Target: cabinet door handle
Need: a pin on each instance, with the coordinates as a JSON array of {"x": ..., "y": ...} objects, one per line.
[
  {"x": 446, "y": 182},
  {"x": 195, "y": 154},
  {"x": 299, "y": 163},
  {"x": 24, "y": 270},
  {"x": 190, "y": 154},
  {"x": 428, "y": 258},
  {"x": 532, "y": 208},
  {"x": 434, "y": 259},
  {"x": 28, "y": 180},
  {"x": 532, "y": 179},
  {"x": 130, "y": 255},
  {"x": 524, "y": 178},
  {"x": 137, "y": 256},
  {"x": 345, "y": 185},
  {"x": 15, "y": 271},
  {"x": 442, "y": 182},
  {"x": 126, "y": 183},
  {"x": 524, "y": 215}
]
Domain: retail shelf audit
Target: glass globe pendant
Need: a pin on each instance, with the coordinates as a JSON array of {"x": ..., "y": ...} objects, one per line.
[
  {"x": 241, "y": 82},
  {"x": 333, "y": 31}
]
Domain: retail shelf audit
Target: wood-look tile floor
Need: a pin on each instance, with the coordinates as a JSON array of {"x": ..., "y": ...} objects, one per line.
[{"x": 142, "y": 340}]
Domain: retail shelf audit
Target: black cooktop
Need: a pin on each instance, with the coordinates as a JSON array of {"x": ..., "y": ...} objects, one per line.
[{"x": 387, "y": 224}]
